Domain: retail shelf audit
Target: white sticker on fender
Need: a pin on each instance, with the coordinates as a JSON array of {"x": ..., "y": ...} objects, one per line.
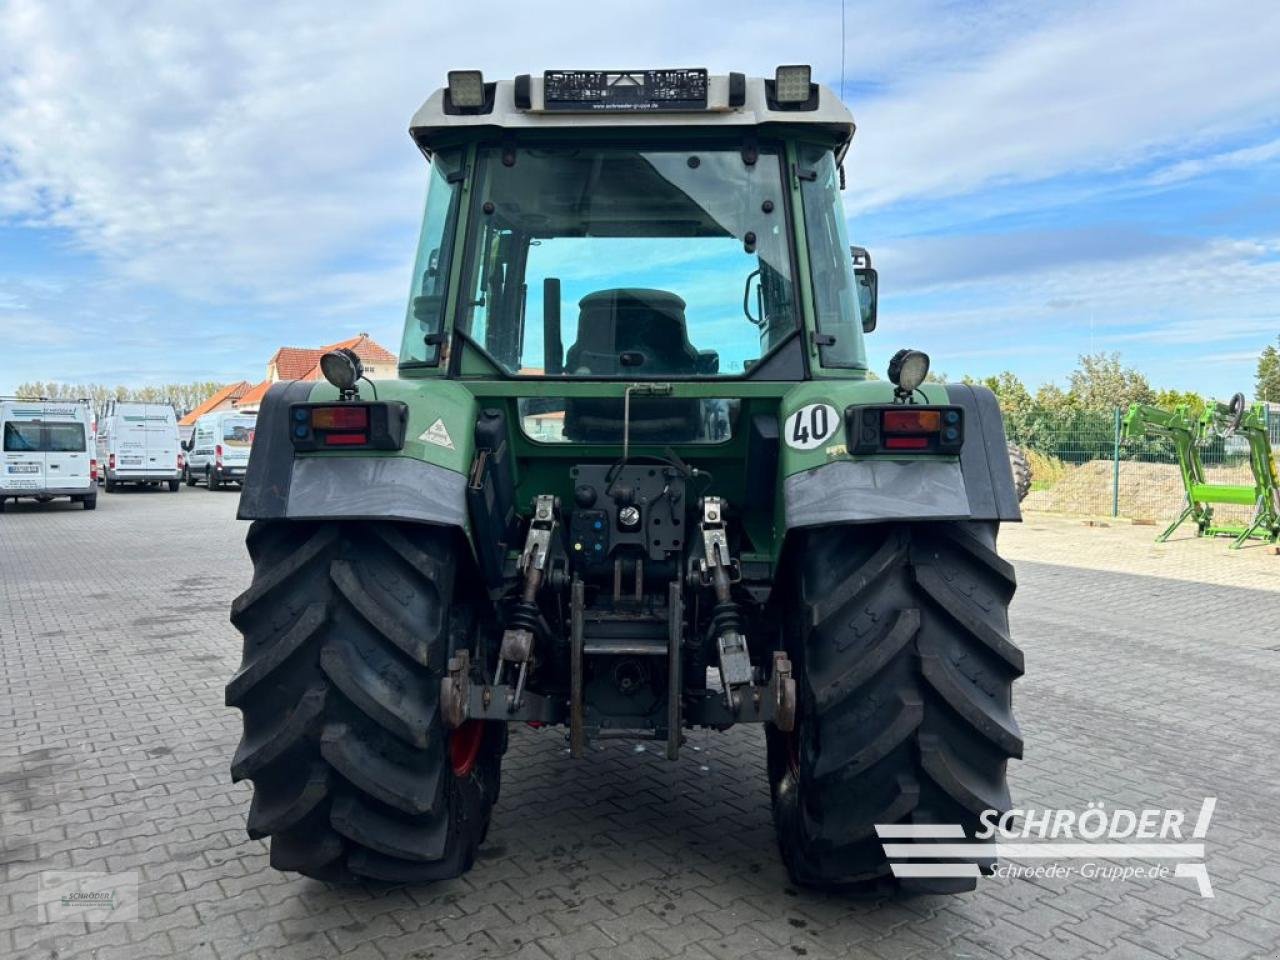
[
  {"x": 810, "y": 426},
  {"x": 437, "y": 434}
]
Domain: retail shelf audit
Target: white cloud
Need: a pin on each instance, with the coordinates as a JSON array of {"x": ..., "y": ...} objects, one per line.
[
  {"x": 1163, "y": 309},
  {"x": 230, "y": 149},
  {"x": 233, "y": 149},
  {"x": 1106, "y": 87},
  {"x": 1242, "y": 159}
]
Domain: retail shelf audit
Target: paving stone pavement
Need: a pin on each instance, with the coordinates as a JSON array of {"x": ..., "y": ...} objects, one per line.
[{"x": 1152, "y": 681}]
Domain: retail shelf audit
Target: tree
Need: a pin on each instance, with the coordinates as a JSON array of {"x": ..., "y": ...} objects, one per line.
[
  {"x": 1172, "y": 399},
  {"x": 183, "y": 397},
  {"x": 1101, "y": 383},
  {"x": 1016, "y": 403},
  {"x": 1267, "y": 386}
]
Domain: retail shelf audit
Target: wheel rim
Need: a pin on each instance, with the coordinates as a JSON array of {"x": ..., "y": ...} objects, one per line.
[{"x": 464, "y": 747}]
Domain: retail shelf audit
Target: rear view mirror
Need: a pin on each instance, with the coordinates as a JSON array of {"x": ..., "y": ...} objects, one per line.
[{"x": 868, "y": 286}]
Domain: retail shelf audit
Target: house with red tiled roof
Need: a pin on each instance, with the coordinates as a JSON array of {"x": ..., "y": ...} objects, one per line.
[
  {"x": 303, "y": 363},
  {"x": 224, "y": 399},
  {"x": 252, "y": 398},
  {"x": 292, "y": 363}
]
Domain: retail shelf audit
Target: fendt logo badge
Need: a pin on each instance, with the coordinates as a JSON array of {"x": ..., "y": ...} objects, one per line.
[{"x": 1095, "y": 844}]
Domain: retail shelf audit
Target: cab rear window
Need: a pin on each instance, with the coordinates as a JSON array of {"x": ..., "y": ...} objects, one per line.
[
  {"x": 64, "y": 438},
  {"x": 44, "y": 437},
  {"x": 22, "y": 437}
]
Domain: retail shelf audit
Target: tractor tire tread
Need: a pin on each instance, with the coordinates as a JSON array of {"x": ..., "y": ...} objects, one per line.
[{"x": 347, "y": 630}]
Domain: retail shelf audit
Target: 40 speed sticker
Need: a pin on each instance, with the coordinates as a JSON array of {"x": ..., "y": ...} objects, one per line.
[{"x": 811, "y": 426}]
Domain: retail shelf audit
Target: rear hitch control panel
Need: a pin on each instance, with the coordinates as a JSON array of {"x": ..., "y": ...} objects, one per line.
[{"x": 636, "y": 510}]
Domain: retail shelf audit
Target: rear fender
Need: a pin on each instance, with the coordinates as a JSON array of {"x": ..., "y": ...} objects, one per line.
[
  {"x": 825, "y": 485},
  {"x": 423, "y": 483}
]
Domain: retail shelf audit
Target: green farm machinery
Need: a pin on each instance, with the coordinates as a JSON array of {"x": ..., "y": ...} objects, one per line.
[
  {"x": 1188, "y": 432},
  {"x": 633, "y": 477}
]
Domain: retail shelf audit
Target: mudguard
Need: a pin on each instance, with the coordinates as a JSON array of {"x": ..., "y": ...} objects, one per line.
[
  {"x": 424, "y": 483},
  {"x": 827, "y": 486}
]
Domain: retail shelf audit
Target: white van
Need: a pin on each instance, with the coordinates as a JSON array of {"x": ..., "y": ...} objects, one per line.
[
  {"x": 218, "y": 451},
  {"x": 138, "y": 443},
  {"x": 46, "y": 451}
]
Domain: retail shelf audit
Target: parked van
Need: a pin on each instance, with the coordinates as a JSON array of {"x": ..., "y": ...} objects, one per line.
[
  {"x": 46, "y": 451},
  {"x": 218, "y": 452},
  {"x": 138, "y": 443}
]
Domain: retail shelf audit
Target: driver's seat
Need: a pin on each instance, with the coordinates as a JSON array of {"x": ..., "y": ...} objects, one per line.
[{"x": 644, "y": 328}]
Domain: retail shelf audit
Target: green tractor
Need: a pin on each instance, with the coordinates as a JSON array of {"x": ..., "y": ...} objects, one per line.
[{"x": 634, "y": 478}]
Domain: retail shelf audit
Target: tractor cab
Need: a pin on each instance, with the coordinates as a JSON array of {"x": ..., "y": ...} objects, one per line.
[{"x": 633, "y": 226}]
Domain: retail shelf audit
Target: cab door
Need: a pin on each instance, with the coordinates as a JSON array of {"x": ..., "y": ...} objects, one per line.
[
  {"x": 66, "y": 455},
  {"x": 161, "y": 439},
  {"x": 201, "y": 447}
]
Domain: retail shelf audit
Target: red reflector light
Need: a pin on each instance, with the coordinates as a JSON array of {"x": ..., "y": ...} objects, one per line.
[
  {"x": 912, "y": 421},
  {"x": 345, "y": 439},
  {"x": 339, "y": 418},
  {"x": 906, "y": 443}
]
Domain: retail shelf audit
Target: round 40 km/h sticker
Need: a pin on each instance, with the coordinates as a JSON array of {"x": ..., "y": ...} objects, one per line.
[{"x": 810, "y": 426}]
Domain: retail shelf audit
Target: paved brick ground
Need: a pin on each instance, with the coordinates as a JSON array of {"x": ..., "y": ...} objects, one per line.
[{"x": 1152, "y": 680}]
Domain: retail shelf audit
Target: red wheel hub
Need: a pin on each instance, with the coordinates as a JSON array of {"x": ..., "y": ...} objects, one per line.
[{"x": 464, "y": 747}]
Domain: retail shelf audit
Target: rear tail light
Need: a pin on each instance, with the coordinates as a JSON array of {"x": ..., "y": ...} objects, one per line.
[
  {"x": 346, "y": 439},
  {"x": 93, "y": 469},
  {"x": 376, "y": 425},
  {"x": 182, "y": 461},
  {"x": 217, "y": 453},
  {"x": 911, "y": 421},
  {"x": 340, "y": 418},
  {"x": 111, "y": 461},
  {"x": 906, "y": 443},
  {"x": 904, "y": 428}
]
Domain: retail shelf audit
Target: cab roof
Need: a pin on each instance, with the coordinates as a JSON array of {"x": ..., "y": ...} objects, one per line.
[{"x": 437, "y": 121}]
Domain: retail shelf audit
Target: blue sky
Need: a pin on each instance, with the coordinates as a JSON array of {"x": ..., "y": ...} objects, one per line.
[{"x": 179, "y": 194}]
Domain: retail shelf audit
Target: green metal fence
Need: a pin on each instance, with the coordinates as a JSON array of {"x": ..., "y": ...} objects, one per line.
[{"x": 1094, "y": 472}]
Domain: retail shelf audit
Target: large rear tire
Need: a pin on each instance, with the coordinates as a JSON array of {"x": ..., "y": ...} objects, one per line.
[
  {"x": 347, "y": 630},
  {"x": 899, "y": 636},
  {"x": 1021, "y": 469}
]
